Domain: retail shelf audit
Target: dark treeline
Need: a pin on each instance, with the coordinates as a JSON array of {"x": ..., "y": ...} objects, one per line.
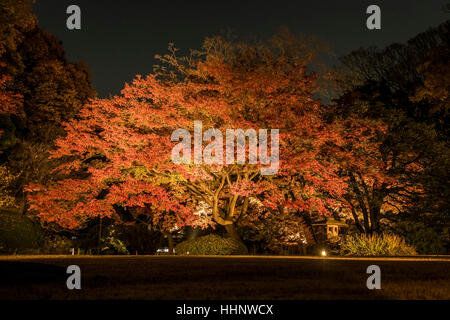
[{"x": 406, "y": 86}]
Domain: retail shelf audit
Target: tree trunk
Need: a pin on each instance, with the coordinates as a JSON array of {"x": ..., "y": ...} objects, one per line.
[
  {"x": 23, "y": 206},
  {"x": 100, "y": 234},
  {"x": 170, "y": 241},
  {"x": 232, "y": 232},
  {"x": 355, "y": 217},
  {"x": 375, "y": 216}
]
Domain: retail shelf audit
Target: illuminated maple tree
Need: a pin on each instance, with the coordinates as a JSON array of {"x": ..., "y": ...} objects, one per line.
[{"x": 119, "y": 149}]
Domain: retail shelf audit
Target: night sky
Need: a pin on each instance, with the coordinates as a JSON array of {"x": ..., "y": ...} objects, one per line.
[{"x": 119, "y": 39}]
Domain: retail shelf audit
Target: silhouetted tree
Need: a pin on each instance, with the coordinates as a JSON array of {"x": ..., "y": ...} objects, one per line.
[
  {"x": 33, "y": 67},
  {"x": 406, "y": 86}
]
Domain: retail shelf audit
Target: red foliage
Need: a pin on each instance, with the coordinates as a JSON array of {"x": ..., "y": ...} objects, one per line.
[
  {"x": 9, "y": 101},
  {"x": 124, "y": 144}
]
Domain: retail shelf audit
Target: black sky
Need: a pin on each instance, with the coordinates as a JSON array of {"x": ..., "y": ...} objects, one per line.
[{"x": 119, "y": 39}]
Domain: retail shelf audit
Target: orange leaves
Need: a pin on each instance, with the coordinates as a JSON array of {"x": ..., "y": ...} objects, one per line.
[
  {"x": 120, "y": 148},
  {"x": 246, "y": 188},
  {"x": 69, "y": 203}
]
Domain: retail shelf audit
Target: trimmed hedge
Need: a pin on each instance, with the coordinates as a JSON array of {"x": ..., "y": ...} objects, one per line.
[
  {"x": 376, "y": 245},
  {"x": 211, "y": 245}
]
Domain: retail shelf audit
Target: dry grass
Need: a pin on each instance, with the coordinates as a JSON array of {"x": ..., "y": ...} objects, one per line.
[{"x": 164, "y": 277}]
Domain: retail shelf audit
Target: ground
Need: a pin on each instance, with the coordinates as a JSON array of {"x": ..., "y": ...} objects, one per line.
[{"x": 166, "y": 277}]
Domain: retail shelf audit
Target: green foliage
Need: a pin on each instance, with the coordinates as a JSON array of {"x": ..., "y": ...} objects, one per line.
[
  {"x": 406, "y": 86},
  {"x": 8, "y": 137},
  {"x": 376, "y": 245},
  {"x": 18, "y": 232},
  {"x": 16, "y": 17},
  {"x": 425, "y": 239},
  {"x": 57, "y": 244},
  {"x": 6, "y": 198},
  {"x": 112, "y": 244},
  {"x": 211, "y": 245},
  {"x": 52, "y": 90}
]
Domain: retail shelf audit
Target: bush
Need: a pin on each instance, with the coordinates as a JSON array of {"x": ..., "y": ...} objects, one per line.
[
  {"x": 57, "y": 244},
  {"x": 211, "y": 245},
  {"x": 112, "y": 244},
  {"x": 426, "y": 240},
  {"x": 376, "y": 245},
  {"x": 18, "y": 232}
]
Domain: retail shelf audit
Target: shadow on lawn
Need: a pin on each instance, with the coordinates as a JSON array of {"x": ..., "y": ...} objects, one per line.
[
  {"x": 217, "y": 278},
  {"x": 20, "y": 273}
]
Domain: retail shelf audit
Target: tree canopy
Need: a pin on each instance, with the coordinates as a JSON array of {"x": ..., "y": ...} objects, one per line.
[{"x": 120, "y": 148}]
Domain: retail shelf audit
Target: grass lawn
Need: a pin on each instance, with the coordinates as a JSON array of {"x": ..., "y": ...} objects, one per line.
[{"x": 165, "y": 277}]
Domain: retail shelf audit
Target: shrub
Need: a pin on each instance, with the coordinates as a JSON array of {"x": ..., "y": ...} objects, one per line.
[
  {"x": 57, "y": 244},
  {"x": 376, "y": 245},
  {"x": 211, "y": 245},
  {"x": 18, "y": 232},
  {"x": 112, "y": 242},
  {"x": 425, "y": 239}
]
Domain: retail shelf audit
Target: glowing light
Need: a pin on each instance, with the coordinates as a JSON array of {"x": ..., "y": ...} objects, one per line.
[{"x": 324, "y": 253}]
